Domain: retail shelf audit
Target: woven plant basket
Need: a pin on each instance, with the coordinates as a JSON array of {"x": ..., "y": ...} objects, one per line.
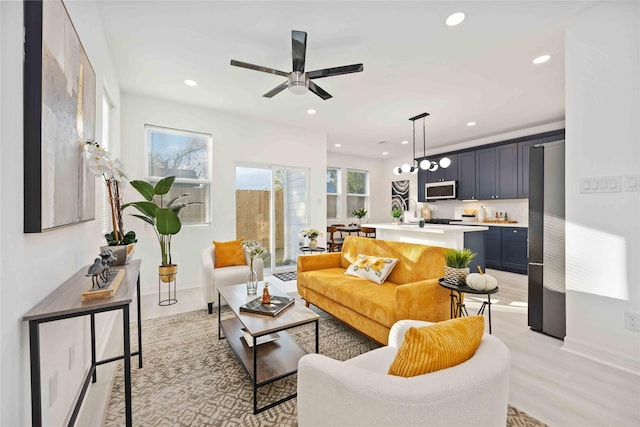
[{"x": 456, "y": 276}]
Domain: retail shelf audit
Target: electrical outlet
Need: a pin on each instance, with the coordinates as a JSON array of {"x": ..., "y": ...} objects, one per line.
[
  {"x": 632, "y": 321},
  {"x": 53, "y": 388}
]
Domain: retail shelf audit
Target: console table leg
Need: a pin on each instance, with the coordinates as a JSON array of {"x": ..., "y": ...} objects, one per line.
[
  {"x": 94, "y": 377},
  {"x": 127, "y": 365},
  {"x": 139, "y": 324},
  {"x": 36, "y": 392}
]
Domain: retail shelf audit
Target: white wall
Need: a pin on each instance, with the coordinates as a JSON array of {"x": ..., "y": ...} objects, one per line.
[
  {"x": 33, "y": 265},
  {"x": 235, "y": 139},
  {"x": 603, "y": 139}
]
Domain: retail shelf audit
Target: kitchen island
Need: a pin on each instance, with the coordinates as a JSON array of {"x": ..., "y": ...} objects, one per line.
[{"x": 448, "y": 236}]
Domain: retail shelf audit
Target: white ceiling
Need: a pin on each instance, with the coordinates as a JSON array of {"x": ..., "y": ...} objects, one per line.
[{"x": 479, "y": 71}]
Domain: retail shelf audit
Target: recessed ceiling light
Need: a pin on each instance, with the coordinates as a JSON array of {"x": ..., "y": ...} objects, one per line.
[
  {"x": 191, "y": 82},
  {"x": 471, "y": 123},
  {"x": 384, "y": 153},
  {"x": 542, "y": 59},
  {"x": 311, "y": 111},
  {"x": 404, "y": 142},
  {"x": 338, "y": 145},
  {"x": 455, "y": 19}
]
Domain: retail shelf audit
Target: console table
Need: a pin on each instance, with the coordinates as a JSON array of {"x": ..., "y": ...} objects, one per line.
[{"x": 64, "y": 303}]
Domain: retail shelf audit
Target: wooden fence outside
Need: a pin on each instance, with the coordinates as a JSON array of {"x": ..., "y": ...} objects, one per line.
[{"x": 252, "y": 216}]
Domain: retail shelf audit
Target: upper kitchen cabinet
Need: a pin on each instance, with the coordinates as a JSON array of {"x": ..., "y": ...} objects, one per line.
[
  {"x": 497, "y": 172},
  {"x": 523, "y": 167},
  {"x": 467, "y": 175},
  {"x": 449, "y": 173}
]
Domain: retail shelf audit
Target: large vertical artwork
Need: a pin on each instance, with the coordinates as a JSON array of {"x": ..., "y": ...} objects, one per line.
[
  {"x": 59, "y": 115},
  {"x": 400, "y": 195}
]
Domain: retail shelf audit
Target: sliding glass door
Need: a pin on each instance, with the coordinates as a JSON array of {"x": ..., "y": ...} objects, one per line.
[{"x": 271, "y": 207}]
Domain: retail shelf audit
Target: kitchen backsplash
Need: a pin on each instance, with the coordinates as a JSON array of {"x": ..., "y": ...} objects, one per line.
[{"x": 517, "y": 209}]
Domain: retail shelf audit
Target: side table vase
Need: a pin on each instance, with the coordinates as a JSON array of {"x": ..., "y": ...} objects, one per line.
[
  {"x": 252, "y": 280},
  {"x": 313, "y": 243}
]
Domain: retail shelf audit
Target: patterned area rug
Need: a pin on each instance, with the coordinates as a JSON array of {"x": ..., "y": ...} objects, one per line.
[
  {"x": 285, "y": 277},
  {"x": 190, "y": 378}
]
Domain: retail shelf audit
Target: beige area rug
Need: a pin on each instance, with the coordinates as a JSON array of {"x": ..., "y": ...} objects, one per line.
[{"x": 190, "y": 378}]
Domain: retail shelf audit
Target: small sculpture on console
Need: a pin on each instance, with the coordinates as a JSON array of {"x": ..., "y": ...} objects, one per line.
[
  {"x": 110, "y": 258},
  {"x": 97, "y": 272}
]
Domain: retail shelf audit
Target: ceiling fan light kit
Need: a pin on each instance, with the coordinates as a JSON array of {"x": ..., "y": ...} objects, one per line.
[
  {"x": 298, "y": 81},
  {"x": 425, "y": 164}
]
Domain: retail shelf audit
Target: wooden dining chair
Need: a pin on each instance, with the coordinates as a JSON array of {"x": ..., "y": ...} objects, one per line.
[
  {"x": 334, "y": 242},
  {"x": 368, "y": 232},
  {"x": 339, "y": 232}
]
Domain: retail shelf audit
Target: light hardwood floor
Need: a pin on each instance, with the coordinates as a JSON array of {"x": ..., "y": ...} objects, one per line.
[{"x": 559, "y": 388}]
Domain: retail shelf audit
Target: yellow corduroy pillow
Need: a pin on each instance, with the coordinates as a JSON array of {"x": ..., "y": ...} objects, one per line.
[
  {"x": 373, "y": 268},
  {"x": 438, "y": 346},
  {"x": 229, "y": 253}
]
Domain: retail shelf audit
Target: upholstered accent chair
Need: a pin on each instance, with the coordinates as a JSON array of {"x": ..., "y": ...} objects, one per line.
[
  {"x": 213, "y": 278},
  {"x": 360, "y": 392}
]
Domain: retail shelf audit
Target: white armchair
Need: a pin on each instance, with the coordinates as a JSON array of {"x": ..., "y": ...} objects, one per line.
[
  {"x": 359, "y": 392},
  {"x": 212, "y": 277}
]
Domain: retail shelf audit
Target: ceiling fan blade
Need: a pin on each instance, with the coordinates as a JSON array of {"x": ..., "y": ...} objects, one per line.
[
  {"x": 319, "y": 91},
  {"x": 335, "y": 71},
  {"x": 276, "y": 90},
  {"x": 258, "y": 68},
  {"x": 298, "y": 49}
]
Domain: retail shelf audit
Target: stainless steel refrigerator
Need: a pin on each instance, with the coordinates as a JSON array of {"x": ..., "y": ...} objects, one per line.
[{"x": 547, "y": 239}]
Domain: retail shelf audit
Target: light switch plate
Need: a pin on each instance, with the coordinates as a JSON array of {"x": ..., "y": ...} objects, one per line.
[
  {"x": 601, "y": 184},
  {"x": 631, "y": 182}
]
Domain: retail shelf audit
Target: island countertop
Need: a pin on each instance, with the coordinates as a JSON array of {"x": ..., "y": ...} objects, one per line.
[{"x": 429, "y": 228}]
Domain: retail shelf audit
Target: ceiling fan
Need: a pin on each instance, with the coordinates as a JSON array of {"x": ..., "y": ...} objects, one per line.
[{"x": 299, "y": 81}]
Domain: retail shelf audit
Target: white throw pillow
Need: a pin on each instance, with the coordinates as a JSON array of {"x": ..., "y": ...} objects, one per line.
[{"x": 373, "y": 268}]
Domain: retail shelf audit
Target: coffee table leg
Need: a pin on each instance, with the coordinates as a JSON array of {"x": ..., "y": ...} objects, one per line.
[
  {"x": 317, "y": 338},
  {"x": 255, "y": 375}
]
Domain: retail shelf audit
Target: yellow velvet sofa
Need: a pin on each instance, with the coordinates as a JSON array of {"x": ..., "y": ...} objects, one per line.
[{"x": 410, "y": 292}]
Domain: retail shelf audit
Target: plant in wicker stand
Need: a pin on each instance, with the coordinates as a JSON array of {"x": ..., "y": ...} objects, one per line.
[
  {"x": 312, "y": 234},
  {"x": 110, "y": 170},
  {"x": 254, "y": 249},
  {"x": 457, "y": 268}
]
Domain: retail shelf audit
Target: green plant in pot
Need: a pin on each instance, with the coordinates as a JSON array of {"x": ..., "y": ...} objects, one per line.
[
  {"x": 396, "y": 214},
  {"x": 457, "y": 268},
  {"x": 359, "y": 213},
  {"x": 163, "y": 216}
]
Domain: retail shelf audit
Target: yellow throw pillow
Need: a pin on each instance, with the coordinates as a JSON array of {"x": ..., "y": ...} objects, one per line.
[
  {"x": 438, "y": 346},
  {"x": 373, "y": 268},
  {"x": 229, "y": 253}
]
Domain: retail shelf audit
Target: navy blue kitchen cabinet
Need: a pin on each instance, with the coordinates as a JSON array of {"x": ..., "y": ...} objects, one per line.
[
  {"x": 523, "y": 167},
  {"x": 514, "y": 249},
  {"x": 493, "y": 248},
  {"x": 506, "y": 249},
  {"x": 497, "y": 172},
  {"x": 467, "y": 175},
  {"x": 444, "y": 174}
]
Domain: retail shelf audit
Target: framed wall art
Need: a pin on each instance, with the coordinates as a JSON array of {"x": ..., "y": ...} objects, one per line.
[
  {"x": 59, "y": 116},
  {"x": 400, "y": 195}
]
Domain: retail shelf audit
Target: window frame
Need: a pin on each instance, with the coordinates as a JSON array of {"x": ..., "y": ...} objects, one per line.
[
  {"x": 207, "y": 183},
  {"x": 338, "y": 194}
]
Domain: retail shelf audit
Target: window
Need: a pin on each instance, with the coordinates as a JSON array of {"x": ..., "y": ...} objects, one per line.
[
  {"x": 357, "y": 190},
  {"x": 185, "y": 155},
  {"x": 333, "y": 193}
]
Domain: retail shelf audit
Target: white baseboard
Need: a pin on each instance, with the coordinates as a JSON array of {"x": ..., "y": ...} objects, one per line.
[{"x": 603, "y": 356}]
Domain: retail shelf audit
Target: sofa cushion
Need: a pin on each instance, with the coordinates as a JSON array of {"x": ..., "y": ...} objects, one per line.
[
  {"x": 376, "y": 302},
  {"x": 439, "y": 346},
  {"x": 373, "y": 268},
  {"x": 229, "y": 253},
  {"x": 417, "y": 262}
]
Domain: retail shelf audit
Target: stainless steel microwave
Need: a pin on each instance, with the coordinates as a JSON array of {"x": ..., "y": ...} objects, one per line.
[{"x": 440, "y": 190}]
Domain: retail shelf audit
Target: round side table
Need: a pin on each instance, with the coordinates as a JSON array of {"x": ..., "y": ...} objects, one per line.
[
  {"x": 458, "y": 308},
  {"x": 307, "y": 249}
]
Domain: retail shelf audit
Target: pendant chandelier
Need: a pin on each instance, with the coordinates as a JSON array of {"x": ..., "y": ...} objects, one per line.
[{"x": 425, "y": 164}]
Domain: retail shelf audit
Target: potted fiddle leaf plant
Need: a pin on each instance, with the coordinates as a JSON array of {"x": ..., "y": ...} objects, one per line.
[
  {"x": 163, "y": 216},
  {"x": 457, "y": 268}
]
